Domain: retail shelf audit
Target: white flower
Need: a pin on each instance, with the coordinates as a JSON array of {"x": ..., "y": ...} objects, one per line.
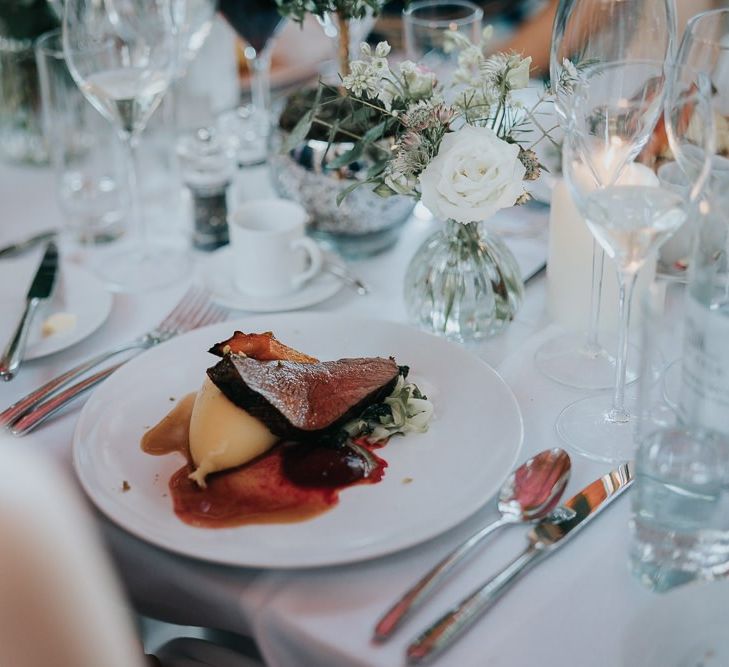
[
  {"x": 419, "y": 81},
  {"x": 382, "y": 50},
  {"x": 518, "y": 75},
  {"x": 361, "y": 79},
  {"x": 473, "y": 176},
  {"x": 400, "y": 183},
  {"x": 365, "y": 50}
]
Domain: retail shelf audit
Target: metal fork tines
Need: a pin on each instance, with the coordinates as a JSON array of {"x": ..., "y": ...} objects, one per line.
[{"x": 194, "y": 310}]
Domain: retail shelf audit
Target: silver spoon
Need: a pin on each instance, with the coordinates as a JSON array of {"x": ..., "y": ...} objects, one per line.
[{"x": 530, "y": 493}]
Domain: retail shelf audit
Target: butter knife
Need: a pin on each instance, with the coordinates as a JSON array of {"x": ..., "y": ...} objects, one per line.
[
  {"x": 40, "y": 290},
  {"x": 544, "y": 539},
  {"x": 15, "y": 249}
]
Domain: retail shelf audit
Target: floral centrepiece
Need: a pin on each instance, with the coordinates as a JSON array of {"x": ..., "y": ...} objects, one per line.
[{"x": 466, "y": 150}]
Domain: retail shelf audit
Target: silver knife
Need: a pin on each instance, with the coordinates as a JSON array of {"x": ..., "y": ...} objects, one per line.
[
  {"x": 20, "y": 247},
  {"x": 545, "y": 538},
  {"x": 40, "y": 290}
]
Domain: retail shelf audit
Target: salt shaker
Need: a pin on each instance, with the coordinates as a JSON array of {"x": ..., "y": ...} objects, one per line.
[{"x": 207, "y": 170}]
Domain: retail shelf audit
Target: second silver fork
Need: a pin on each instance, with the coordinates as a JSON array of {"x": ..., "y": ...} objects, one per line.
[{"x": 194, "y": 310}]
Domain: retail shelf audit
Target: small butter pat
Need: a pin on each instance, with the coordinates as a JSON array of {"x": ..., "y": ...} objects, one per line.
[
  {"x": 58, "y": 323},
  {"x": 222, "y": 435}
]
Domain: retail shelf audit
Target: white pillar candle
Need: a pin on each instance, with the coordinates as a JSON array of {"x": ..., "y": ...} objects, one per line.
[{"x": 569, "y": 263}]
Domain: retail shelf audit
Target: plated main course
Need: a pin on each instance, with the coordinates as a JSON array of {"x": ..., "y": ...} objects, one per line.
[{"x": 274, "y": 434}]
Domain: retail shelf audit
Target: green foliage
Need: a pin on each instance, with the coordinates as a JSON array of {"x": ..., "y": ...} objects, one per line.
[{"x": 296, "y": 10}]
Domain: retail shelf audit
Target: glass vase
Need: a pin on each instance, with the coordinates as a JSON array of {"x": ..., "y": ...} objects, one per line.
[{"x": 463, "y": 283}]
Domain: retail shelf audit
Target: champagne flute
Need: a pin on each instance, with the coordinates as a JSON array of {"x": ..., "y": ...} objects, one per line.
[
  {"x": 121, "y": 55},
  {"x": 257, "y": 22},
  {"x": 587, "y": 32},
  {"x": 630, "y": 214}
]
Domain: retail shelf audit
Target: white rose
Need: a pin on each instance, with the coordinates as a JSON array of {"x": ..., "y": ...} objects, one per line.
[
  {"x": 474, "y": 175},
  {"x": 518, "y": 76}
]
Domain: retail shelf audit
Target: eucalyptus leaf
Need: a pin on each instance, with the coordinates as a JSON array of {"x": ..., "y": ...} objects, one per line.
[
  {"x": 352, "y": 155},
  {"x": 374, "y": 133},
  {"x": 300, "y": 131},
  {"x": 384, "y": 191},
  {"x": 349, "y": 189}
]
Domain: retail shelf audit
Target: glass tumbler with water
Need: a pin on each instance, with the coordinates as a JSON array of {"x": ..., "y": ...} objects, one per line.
[
  {"x": 680, "y": 524},
  {"x": 85, "y": 156}
]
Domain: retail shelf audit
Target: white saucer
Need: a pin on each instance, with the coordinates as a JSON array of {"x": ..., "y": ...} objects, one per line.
[
  {"x": 77, "y": 292},
  {"x": 218, "y": 276}
]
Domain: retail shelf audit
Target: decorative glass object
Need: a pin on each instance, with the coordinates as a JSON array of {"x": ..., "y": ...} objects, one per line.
[
  {"x": 463, "y": 283},
  {"x": 21, "y": 128}
]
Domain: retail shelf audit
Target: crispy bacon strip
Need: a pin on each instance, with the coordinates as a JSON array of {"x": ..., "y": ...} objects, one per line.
[{"x": 260, "y": 346}]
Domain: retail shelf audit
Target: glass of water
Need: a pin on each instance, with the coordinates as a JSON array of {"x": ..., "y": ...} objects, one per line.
[
  {"x": 84, "y": 153},
  {"x": 680, "y": 505},
  {"x": 427, "y": 24}
]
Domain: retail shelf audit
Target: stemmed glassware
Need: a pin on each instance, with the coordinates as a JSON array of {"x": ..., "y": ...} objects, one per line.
[
  {"x": 426, "y": 24},
  {"x": 257, "y": 22},
  {"x": 611, "y": 123},
  {"x": 121, "y": 54},
  {"x": 586, "y": 32}
]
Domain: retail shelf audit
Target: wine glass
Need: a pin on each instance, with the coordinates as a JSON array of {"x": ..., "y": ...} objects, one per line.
[
  {"x": 191, "y": 21},
  {"x": 699, "y": 391},
  {"x": 257, "y": 22},
  {"x": 611, "y": 123},
  {"x": 121, "y": 55},
  {"x": 587, "y": 32}
]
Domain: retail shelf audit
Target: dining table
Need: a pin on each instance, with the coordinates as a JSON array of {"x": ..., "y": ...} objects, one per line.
[{"x": 579, "y": 607}]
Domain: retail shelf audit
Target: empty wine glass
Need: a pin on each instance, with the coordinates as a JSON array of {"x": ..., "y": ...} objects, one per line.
[
  {"x": 587, "y": 32},
  {"x": 426, "y": 24},
  {"x": 611, "y": 122},
  {"x": 121, "y": 55},
  {"x": 257, "y": 22}
]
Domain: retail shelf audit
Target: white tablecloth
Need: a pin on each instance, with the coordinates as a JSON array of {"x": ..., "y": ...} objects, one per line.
[{"x": 572, "y": 610}]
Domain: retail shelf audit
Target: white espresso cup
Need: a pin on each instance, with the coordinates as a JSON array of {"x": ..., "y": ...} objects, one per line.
[{"x": 272, "y": 255}]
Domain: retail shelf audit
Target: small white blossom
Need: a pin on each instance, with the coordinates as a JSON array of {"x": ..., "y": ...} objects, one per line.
[
  {"x": 365, "y": 50},
  {"x": 419, "y": 81},
  {"x": 360, "y": 79},
  {"x": 517, "y": 75},
  {"x": 382, "y": 50},
  {"x": 401, "y": 183}
]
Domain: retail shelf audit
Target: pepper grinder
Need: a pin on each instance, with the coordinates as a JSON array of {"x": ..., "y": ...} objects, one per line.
[{"x": 207, "y": 171}]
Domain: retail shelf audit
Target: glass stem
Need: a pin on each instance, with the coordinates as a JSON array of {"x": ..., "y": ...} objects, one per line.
[
  {"x": 592, "y": 346},
  {"x": 260, "y": 67},
  {"x": 626, "y": 283},
  {"x": 138, "y": 228}
]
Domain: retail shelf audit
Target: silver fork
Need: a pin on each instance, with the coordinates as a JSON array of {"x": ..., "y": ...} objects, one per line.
[{"x": 194, "y": 310}]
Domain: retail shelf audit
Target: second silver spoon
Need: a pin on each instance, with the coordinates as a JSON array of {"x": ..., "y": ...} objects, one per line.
[{"x": 530, "y": 493}]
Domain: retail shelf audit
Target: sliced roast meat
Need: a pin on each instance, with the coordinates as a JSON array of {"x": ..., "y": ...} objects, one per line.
[{"x": 302, "y": 401}]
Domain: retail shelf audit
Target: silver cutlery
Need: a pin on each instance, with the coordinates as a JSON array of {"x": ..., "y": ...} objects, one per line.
[
  {"x": 15, "y": 249},
  {"x": 529, "y": 494},
  {"x": 544, "y": 539},
  {"x": 194, "y": 310},
  {"x": 344, "y": 274},
  {"x": 40, "y": 291},
  {"x": 535, "y": 273}
]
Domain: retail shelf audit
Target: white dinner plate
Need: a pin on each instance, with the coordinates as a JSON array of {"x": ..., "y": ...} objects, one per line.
[
  {"x": 218, "y": 276},
  {"x": 433, "y": 481},
  {"x": 77, "y": 292}
]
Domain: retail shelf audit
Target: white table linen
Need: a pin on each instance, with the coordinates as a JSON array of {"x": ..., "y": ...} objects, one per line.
[{"x": 572, "y": 610}]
